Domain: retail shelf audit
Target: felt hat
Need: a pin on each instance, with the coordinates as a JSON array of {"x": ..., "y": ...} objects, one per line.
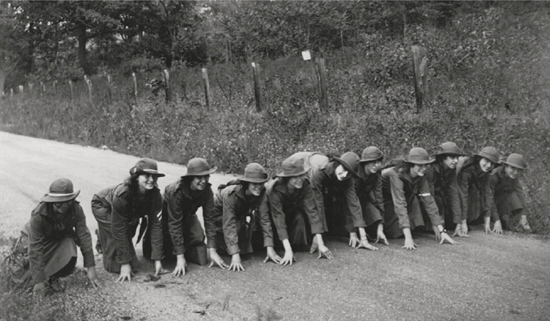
[
  {"x": 449, "y": 148},
  {"x": 292, "y": 166},
  {"x": 199, "y": 167},
  {"x": 370, "y": 154},
  {"x": 254, "y": 173},
  {"x": 490, "y": 153},
  {"x": 146, "y": 166},
  {"x": 61, "y": 190},
  {"x": 418, "y": 156},
  {"x": 516, "y": 160},
  {"x": 350, "y": 161}
]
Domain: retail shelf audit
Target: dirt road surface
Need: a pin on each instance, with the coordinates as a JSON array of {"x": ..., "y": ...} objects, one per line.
[{"x": 485, "y": 277}]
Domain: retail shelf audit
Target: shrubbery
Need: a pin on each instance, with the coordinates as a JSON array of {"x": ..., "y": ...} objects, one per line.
[{"x": 488, "y": 80}]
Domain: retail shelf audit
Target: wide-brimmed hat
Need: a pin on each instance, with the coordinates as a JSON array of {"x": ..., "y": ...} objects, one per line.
[
  {"x": 449, "y": 148},
  {"x": 292, "y": 166},
  {"x": 350, "y": 161},
  {"x": 516, "y": 160},
  {"x": 254, "y": 173},
  {"x": 370, "y": 154},
  {"x": 199, "y": 167},
  {"x": 146, "y": 166},
  {"x": 419, "y": 156},
  {"x": 61, "y": 190},
  {"x": 490, "y": 153}
]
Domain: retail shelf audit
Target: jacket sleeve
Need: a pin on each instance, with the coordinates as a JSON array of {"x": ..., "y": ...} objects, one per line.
[
  {"x": 211, "y": 214},
  {"x": 173, "y": 203},
  {"x": 317, "y": 193},
  {"x": 453, "y": 195},
  {"x": 377, "y": 196},
  {"x": 157, "y": 250},
  {"x": 463, "y": 187},
  {"x": 36, "y": 249},
  {"x": 353, "y": 203},
  {"x": 429, "y": 202},
  {"x": 518, "y": 188},
  {"x": 120, "y": 230},
  {"x": 490, "y": 199},
  {"x": 84, "y": 237},
  {"x": 265, "y": 221},
  {"x": 276, "y": 209},
  {"x": 229, "y": 221},
  {"x": 399, "y": 201},
  {"x": 312, "y": 210}
]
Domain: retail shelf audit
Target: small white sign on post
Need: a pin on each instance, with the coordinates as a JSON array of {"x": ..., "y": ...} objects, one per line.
[{"x": 306, "y": 55}]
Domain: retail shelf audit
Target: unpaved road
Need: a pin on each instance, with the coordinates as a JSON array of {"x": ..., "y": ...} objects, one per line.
[{"x": 485, "y": 277}]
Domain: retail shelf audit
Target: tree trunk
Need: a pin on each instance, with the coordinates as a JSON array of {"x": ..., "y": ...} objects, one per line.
[{"x": 82, "y": 39}]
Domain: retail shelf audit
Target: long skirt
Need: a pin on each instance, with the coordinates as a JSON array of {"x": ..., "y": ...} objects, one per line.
[
  {"x": 476, "y": 207},
  {"x": 391, "y": 221},
  {"x": 102, "y": 213}
]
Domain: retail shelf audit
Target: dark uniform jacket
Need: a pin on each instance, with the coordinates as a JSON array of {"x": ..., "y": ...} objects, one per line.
[
  {"x": 500, "y": 185},
  {"x": 369, "y": 188},
  {"x": 471, "y": 179},
  {"x": 126, "y": 215},
  {"x": 401, "y": 189},
  {"x": 181, "y": 202},
  {"x": 232, "y": 206},
  {"x": 282, "y": 202},
  {"x": 444, "y": 184},
  {"x": 45, "y": 232}
]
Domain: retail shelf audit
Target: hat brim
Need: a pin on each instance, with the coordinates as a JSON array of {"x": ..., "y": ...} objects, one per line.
[
  {"x": 449, "y": 153},
  {"x": 346, "y": 165},
  {"x": 254, "y": 180},
  {"x": 420, "y": 162},
  {"x": 514, "y": 165},
  {"x": 52, "y": 198},
  {"x": 282, "y": 174},
  {"x": 488, "y": 157},
  {"x": 203, "y": 173},
  {"x": 140, "y": 171},
  {"x": 366, "y": 160}
]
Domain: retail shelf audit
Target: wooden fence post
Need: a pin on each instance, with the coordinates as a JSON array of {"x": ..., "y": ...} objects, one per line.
[
  {"x": 135, "y": 88},
  {"x": 21, "y": 90},
  {"x": 109, "y": 89},
  {"x": 206, "y": 87},
  {"x": 54, "y": 87},
  {"x": 31, "y": 85},
  {"x": 167, "y": 90},
  {"x": 72, "y": 90},
  {"x": 89, "y": 86},
  {"x": 257, "y": 86},
  {"x": 323, "y": 95},
  {"x": 43, "y": 87},
  {"x": 420, "y": 62}
]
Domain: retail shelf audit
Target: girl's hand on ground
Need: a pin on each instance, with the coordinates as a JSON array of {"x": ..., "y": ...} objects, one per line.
[
  {"x": 446, "y": 238},
  {"x": 125, "y": 273},
  {"x": 92, "y": 277},
  {"x": 497, "y": 229},
  {"x": 288, "y": 258},
  {"x": 366, "y": 245},
  {"x": 272, "y": 255},
  {"x": 236, "y": 263}
]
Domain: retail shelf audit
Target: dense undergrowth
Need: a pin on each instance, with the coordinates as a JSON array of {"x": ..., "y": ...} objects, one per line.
[{"x": 488, "y": 83}]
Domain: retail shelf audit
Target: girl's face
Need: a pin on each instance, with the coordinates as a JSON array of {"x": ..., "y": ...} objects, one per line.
[
  {"x": 255, "y": 188},
  {"x": 485, "y": 164},
  {"x": 341, "y": 173},
  {"x": 146, "y": 182},
  {"x": 511, "y": 171},
  {"x": 419, "y": 170},
  {"x": 372, "y": 167},
  {"x": 62, "y": 207},
  {"x": 450, "y": 161},
  {"x": 199, "y": 183},
  {"x": 297, "y": 182}
]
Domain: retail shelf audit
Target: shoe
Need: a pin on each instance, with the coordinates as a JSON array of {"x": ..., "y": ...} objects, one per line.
[{"x": 55, "y": 285}]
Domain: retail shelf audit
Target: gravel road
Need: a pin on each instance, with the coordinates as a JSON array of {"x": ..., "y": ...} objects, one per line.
[{"x": 485, "y": 277}]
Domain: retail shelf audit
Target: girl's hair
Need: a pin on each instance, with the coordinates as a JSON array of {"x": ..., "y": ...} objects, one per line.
[{"x": 132, "y": 183}]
